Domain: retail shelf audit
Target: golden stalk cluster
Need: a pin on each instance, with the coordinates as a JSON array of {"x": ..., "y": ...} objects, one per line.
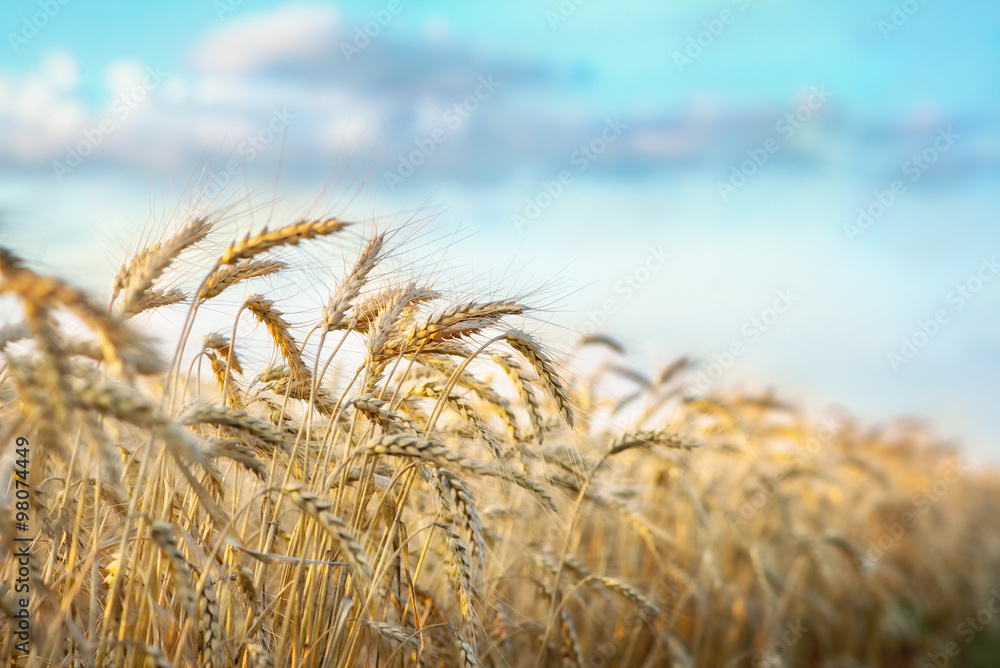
[{"x": 450, "y": 496}]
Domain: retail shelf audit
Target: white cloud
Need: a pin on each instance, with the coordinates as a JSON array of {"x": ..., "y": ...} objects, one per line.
[
  {"x": 665, "y": 143},
  {"x": 245, "y": 44},
  {"x": 437, "y": 29},
  {"x": 39, "y": 111},
  {"x": 244, "y": 69},
  {"x": 60, "y": 69},
  {"x": 123, "y": 75}
]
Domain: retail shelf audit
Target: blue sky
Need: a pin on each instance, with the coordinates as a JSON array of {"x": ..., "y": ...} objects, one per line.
[{"x": 832, "y": 104}]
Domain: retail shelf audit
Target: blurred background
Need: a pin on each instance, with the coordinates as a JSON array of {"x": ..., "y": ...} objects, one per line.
[{"x": 800, "y": 196}]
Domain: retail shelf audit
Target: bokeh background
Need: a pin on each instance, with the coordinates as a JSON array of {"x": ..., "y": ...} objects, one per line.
[{"x": 813, "y": 185}]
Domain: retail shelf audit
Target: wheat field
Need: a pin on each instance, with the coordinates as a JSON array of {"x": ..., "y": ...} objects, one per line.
[{"x": 407, "y": 475}]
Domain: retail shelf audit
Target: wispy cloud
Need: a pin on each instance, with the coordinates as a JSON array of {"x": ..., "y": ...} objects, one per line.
[{"x": 401, "y": 88}]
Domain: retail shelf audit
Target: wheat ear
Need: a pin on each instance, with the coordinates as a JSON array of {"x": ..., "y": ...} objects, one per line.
[
  {"x": 44, "y": 292},
  {"x": 228, "y": 275},
  {"x": 457, "y": 499},
  {"x": 220, "y": 344},
  {"x": 401, "y": 445},
  {"x": 138, "y": 275},
  {"x": 350, "y": 287},
  {"x": 522, "y": 385},
  {"x": 162, "y": 534},
  {"x": 646, "y": 439},
  {"x": 236, "y": 419},
  {"x": 532, "y": 351},
  {"x": 265, "y": 312},
  {"x": 156, "y": 299},
  {"x": 462, "y": 320},
  {"x": 225, "y": 380},
  {"x": 336, "y": 527},
  {"x": 251, "y": 246}
]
